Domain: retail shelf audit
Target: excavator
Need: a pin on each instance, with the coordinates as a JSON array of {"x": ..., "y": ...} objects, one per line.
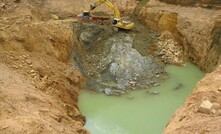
[{"x": 117, "y": 22}]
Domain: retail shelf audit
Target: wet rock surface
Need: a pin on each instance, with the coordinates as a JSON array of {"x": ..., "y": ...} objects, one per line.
[
  {"x": 112, "y": 64},
  {"x": 128, "y": 65}
]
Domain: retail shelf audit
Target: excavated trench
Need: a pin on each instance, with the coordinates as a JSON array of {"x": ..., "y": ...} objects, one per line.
[
  {"x": 132, "y": 84},
  {"x": 118, "y": 63},
  {"x": 111, "y": 62},
  {"x": 134, "y": 66}
]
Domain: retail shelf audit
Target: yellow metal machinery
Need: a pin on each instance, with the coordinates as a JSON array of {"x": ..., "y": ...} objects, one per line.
[{"x": 117, "y": 22}]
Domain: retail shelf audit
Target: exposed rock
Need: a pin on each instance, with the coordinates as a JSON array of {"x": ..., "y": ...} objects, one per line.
[
  {"x": 153, "y": 92},
  {"x": 214, "y": 112},
  {"x": 32, "y": 71},
  {"x": 156, "y": 84},
  {"x": 206, "y": 107},
  {"x": 197, "y": 30},
  {"x": 168, "y": 49},
  {"x": 112, "y": 58},
  {"x": 128, "y": 63},
  {"x": 89, "y": 35},
  {"x": 108, "y": 91},
  {"x": 133, "y": 83},
  {"x": 204, "y": 94},
  {"x": 28, "y": 61},
  {"x": 54, "y": 17}
]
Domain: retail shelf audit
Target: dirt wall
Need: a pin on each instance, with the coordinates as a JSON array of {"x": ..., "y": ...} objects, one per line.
[
  {"x": 39, "y": 82},
  {"x": 192, "y": 2},
  {"x": 38, "y": 95},
  {"x": 196, "y": 29},
  {"x": 202, "y": 3},
  {"x": 188, "y": 119}
]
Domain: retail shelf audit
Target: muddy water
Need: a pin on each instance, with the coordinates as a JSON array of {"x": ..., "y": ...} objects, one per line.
[{"x": 140, "y": 112}]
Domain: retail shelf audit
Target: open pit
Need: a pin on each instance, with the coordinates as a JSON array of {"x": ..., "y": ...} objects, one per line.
[{"x": 46, "y": 59}]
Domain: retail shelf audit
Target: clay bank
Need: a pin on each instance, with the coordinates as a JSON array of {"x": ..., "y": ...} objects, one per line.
[
  {"x": 197, "y": 29},
  {"x": 47, "y": 58}
]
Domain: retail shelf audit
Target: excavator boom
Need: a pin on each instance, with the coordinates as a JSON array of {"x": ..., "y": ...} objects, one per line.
[
  {"x": 109, "y": 4},
  {"x": 117, "y": 22}
]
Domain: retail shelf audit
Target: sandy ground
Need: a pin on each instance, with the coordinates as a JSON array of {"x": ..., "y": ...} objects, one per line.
[{"x": 31, "y": 100}]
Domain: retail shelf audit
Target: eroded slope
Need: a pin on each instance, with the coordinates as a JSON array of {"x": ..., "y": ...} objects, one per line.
[{"x": 39, "y": 81}]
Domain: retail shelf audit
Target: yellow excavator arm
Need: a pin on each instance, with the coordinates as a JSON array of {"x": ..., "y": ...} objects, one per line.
[
  {"x": 110, "y": 5},
  {"x": 117, "y": 22}
]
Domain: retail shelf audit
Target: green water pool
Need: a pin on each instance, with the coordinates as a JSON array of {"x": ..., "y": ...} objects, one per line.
[{"x": 144, "y": 113}]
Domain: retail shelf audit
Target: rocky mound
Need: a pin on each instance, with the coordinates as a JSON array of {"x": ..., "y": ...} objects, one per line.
[{"x": 111, "y": 62}]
